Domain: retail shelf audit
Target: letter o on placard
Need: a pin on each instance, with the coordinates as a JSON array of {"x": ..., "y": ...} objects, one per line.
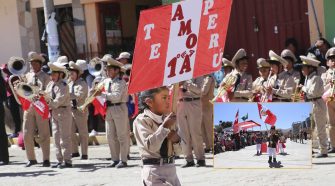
[{"x": 191, "y": 41}]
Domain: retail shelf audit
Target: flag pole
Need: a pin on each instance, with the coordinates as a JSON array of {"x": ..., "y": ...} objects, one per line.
[{"x": 174, "y": 110}]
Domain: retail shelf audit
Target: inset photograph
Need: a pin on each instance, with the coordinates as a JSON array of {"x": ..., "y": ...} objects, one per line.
[{"x": 262, "y": 135}]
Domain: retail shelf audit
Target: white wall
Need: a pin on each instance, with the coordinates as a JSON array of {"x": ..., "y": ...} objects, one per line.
[{"x": 10, "y": 44}]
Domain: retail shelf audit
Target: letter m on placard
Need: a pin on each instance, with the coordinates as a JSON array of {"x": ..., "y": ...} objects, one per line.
[{"x": 185, "y": 28}]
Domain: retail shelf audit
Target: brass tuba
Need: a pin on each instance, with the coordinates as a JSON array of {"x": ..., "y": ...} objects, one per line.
[
  {"x": 31, "y": 93},
  {"x": 228, "y": 82},
  {"x": 17, "y": 66},
  {"x": 95, "y": 67}
]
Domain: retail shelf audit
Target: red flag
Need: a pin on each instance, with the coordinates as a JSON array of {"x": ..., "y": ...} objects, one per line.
[
  {"x": 136, "y": 106},
  {"x": 235, "y": 125},
  {"x": 259, "y": 110},
  {"x": 179, "y": 42},
  {"x": 100, "y": 106},
  {"x": 24, "y": 103},
  {"x": 42, "y": 108},
  {"x": 271, "y": 118}
]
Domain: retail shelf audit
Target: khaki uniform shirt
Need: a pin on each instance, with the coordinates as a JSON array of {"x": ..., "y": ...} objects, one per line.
[
  {"x": 78, "y": 91},
  {"x": 313, "y": 87},
  {"x": 283, "y": 86},
  {"x": 150, "y": 134},
  {"x": 208, "y": 90},
  {"x": 43, "y": 79},
  {"x": 59, "y": 92},
  {"x": 116, "y": 90},
  {"x": 193, "y": 88}
]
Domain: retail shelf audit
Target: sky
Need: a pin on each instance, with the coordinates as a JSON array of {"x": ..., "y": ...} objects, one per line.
[{"x": 286, "y": 113}]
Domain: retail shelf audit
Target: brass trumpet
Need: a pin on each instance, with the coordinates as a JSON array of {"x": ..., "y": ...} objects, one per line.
[
  {"x": 332, "y": 90},
  {"x": 89, "y": 99},
  {"x": 229, "y": 81},
  {"x": 297, "y": 96}
]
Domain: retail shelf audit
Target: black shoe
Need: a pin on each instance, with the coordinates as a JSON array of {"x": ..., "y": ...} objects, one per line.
[
  {"x": 67, "y": 165},
  {"x": 121, "y": 165},
  {"x": 260, "y": 153},
  {"x": 332, "y": 150},
  {"x": 46, "y": 163},
  {"x": 274, "y": 160},
  {"x": 188, "y": 164},
  {"x": 207, "y": 150},
  {"x": 113, "y": 164},
  {"x": 31, "y": 162},
  {"x": 57, "y": 165},
  {"x": 128, "y": 157},
  {"x": 321, "y": 156},
  {"x": 201, "y": 163},
  {"x": 257, "y": 153},
  {"x": 74, "y": 155},
  {"x": 270, "y": 160},
  {"x": 84, "y": 157}
]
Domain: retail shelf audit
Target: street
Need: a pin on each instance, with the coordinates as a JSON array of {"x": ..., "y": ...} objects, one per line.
[
  {"x": 298, "y": 156},
  {"x": 93, "y": 172}
]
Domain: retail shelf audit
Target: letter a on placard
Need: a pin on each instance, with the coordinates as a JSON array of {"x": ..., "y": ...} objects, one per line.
[
  {"x": 186, "y": 65},
  {"x": 178, "y": 15}
]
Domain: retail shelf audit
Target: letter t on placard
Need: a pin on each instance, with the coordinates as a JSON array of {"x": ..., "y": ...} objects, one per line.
[{"x": 147, "y": 29}]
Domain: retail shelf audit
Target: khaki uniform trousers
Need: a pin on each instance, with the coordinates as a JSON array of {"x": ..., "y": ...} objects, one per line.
[
  {"x": 79, "y": 122},
  {"x": 62, "y": 130},
  {"x": 207, "y": 125},
  {"x": 331, "y": 121},
  {"x": 320, "y": 118},
  {"x": 189, "y": 117},
  {"x": 165, "y": 175},
  {"x": 32, "y": 121},
  {"x": 117, "y": 131}
]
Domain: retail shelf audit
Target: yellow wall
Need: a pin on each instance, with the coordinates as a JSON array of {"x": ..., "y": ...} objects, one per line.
[
  {"x": 92, "y": 32},
  {"x": 10, "y": 32},
  {"x": 312, "y": 24},
  {"x": 39, "y": 3}
]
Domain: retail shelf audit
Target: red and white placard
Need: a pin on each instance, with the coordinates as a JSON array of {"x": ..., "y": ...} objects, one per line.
[{"x": 179, "y": 42}]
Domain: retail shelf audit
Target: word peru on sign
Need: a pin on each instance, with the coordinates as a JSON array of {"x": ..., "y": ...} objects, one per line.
[{"x": 179, "y": 42}]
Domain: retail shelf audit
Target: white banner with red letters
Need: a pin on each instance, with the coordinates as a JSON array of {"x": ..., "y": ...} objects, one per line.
[{"x": 179, "y": 42}]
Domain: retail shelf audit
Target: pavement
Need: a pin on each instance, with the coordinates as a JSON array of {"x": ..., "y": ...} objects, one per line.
[
  {"x": 298, "y": 156},
  {"x": 93, "y": 172}
]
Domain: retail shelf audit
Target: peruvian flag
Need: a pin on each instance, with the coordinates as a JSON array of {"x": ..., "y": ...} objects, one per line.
[
  {"x": 24, "y": 103},
  {"x": 179, "y": 42},
  {"x": 236, "y": 127},
  {"x": 135, "y": 96},
  {"x": 100, "y": 106},
  {"x": 42, "y": 107},
  {"x": 266, "y": 115}
]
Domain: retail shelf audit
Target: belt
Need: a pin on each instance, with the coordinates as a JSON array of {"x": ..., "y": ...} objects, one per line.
[
  {"x": 312, "y": 99},
  {"x": 109, "y": 104},
  {"x": 188, "y": 99},
  {"x": 158, "y": 161},
  {"x": 241, "y": 98},
  {"x": 281, "y": 100}
]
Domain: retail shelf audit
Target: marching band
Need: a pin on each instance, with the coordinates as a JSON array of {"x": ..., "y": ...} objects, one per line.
[{"x": 68, "y": 93}]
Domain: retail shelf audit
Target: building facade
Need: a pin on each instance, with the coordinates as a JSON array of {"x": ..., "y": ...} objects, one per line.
[{"x": 89, "y": 28}]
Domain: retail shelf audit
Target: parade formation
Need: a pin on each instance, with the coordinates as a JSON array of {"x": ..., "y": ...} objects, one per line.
[{"x": 160, "y": 97}]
